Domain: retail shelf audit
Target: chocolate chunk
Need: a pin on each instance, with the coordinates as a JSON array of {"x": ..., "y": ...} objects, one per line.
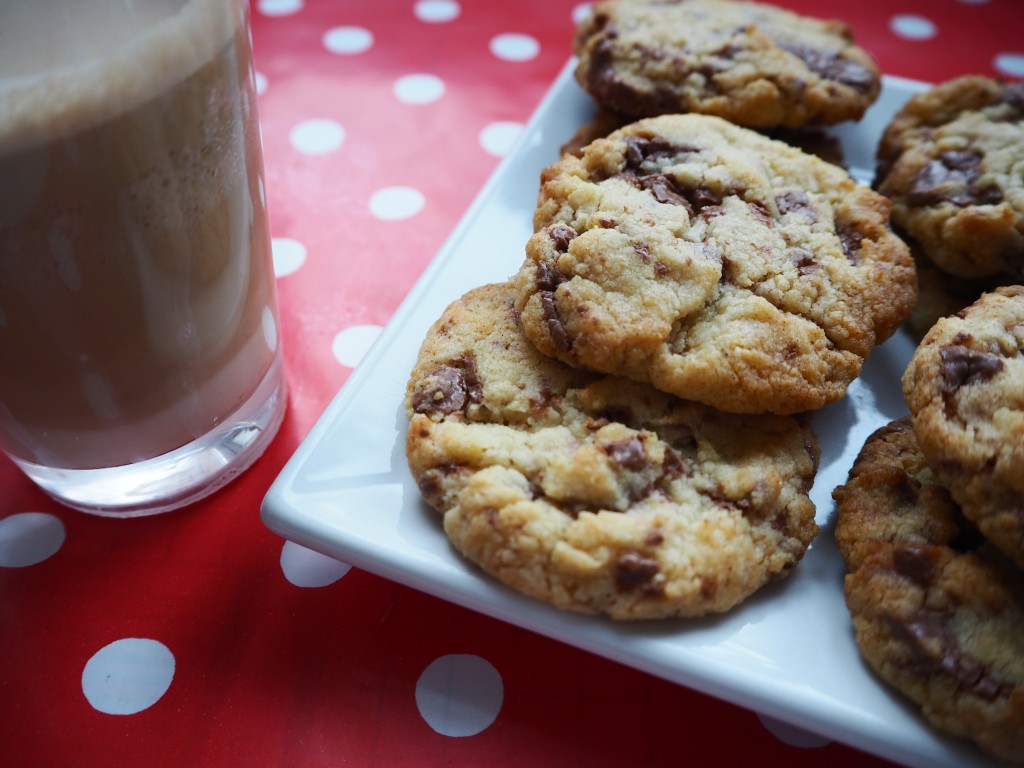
[
  {"x": 633, "y": 570},
  {"x": 443, "y": 392},
  {"x": 556, "y": 330},
  {"x": 640, "y": 150},
  {"x": 796, "y": 201},
  {"x": 988, "y": 194},
  {"x": 704, "y": 197},
  {"x": 760, "y": 213},
  {"x": 961, "y": 366},
  {"x": 832, "y": 66},
  {"x": 804, "y": 261},
  {"x": 672, "y": 465},
  {"x": 628, "y": 453},
  {"x": 952, "y": 177},
  {"x": 664, "y": 190},
  {"x": 643, "y": 251},
  {"x": 916, "y": 563},
  {"x": 471, "y": 378},
  {"x": 548, "y": 276},
  {"x": 449, "y": 388},
  {"x": 929, "y": 633},
  {"x": 654, "y": 537},
  {"x": 850, "y": 240},
  {"x": 561, "y": 235}
]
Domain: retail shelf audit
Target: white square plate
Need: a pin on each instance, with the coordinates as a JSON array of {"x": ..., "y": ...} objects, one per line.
[{"x": 788, "y": 652}]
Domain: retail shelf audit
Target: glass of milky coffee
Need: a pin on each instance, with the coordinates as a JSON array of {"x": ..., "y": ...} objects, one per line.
[{"x": 140, "y": 359}]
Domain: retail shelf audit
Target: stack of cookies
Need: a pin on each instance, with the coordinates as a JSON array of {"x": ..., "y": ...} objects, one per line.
[
  {"x": 620, "y": 428},
  {"x": 931, "y": 528},
  {"x": 931, "y": 521}
]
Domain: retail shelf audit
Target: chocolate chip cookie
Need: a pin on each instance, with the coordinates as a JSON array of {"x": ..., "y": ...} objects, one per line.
[
  {"x": 750, "y": 63},
  {"x": 714, "y": 263},
  {"x": 814, "y": 141},
  {"x": 950, "y": 160},
  {"x": 594, "y": 493},
  {"x": 937, "y": 611},
  {"x": 965, "y": 388}
]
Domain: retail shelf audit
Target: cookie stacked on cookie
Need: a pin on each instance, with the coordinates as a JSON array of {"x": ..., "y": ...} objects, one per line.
[
  {"x": 754, "y": 64},
  {"x": 931, "y": 528},
  {"x": 713, "y": 263},
  {"x": 615, "y": 429},
  {"x": 950, "y": 162},
  {"x": 965, "y": 389},
  {"x": 750, "y": 63}
]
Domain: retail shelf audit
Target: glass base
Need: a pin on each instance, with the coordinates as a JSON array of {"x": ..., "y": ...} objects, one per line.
[{"x": 182, "y": 476}]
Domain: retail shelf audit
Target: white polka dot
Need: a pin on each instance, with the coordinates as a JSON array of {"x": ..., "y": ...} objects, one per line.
[
  {"x": 128, "y": 676},
  {"x": 437, "y": 11},
  {"x": 791, "y": 735},
  {"x": 393, "y": 203},
  {"x": 288, "y": 255},
  {"x": 306, "y": 568},
  {"x": 912, "y": 27},
  {"x": 279, "y": 7},
  {"x": 418, "y": 89},
  {"x": 260, "y": 83},
  {"x": 498, "y": 138},
  {"x": 348, "y": 40},
  {"x": 269, "y": 329},
  {"x": 351, "y": 344},
  {"x": 459, "y": 695},
  {"x": 28, "y": 538},
  {"x": 514, "y": 47},
  {"x": 579, "y": 12},
  {"x": 1011, "y": 64},
  {"x": 317, "y": 136}
]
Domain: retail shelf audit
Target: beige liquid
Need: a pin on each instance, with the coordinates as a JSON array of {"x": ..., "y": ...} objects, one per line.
[{"x": 136, "y": 288}]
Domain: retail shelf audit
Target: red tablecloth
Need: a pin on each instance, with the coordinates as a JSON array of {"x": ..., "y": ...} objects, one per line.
[{"x": 199, "y": 637}]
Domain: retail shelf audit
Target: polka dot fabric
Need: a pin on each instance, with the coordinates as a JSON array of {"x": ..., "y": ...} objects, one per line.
[{"x": 200, "y": 638}]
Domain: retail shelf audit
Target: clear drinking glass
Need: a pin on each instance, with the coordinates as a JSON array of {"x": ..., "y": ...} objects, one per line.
[{"x": 140, "y": 360}]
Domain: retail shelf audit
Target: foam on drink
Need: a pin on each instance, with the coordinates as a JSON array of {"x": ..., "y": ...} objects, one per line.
[{"x": 135, "y": 281}]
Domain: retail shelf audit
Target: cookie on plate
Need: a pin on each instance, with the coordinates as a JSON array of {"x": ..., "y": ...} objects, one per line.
[
  {"x": 950, "y": 160},
  {"x": 750, "y": 63},
  {"x": 714, "y": 263},
  {"x": 965, "y": 389},
  {"x": 593, "y": 493},
  {"x": 937, "y": 611}
]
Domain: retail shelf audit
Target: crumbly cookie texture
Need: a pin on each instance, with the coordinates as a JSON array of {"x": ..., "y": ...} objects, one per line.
[
  {"x": 714, "y": 263},
  {"x": 950, "y": 160},
  {"x": 750, "y": 63},
  {"x": 938, "y": 612},
  {"x": 965, "y": 389},
  {"x": 594, "y": 493}
]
